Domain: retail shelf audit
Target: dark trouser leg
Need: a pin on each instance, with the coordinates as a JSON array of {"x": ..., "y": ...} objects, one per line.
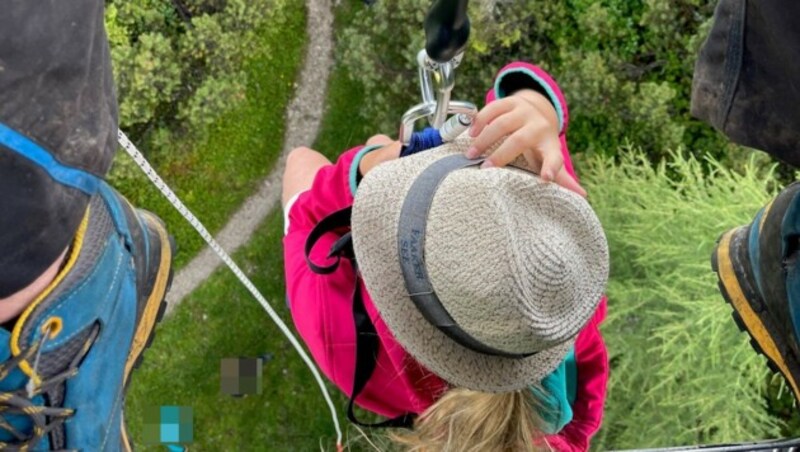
[
  {"x": 747, "y": 77},
  {"x": 56, "y": 90}
]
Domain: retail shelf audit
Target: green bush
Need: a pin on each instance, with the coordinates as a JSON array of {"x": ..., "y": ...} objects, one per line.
[
  {"x": 179, "y": 65},
  {"x": 237, "y": 148},
  {"x": 681, "y": 373},
  {"x": 625, "y": 67}
]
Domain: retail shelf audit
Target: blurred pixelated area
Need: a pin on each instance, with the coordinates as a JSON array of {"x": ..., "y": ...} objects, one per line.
[
  {"x": 241, "y": 376},
  {"x": 170, "y": 425}
]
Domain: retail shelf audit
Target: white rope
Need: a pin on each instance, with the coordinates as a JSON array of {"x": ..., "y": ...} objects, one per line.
[{"x": 198, "y": 226}]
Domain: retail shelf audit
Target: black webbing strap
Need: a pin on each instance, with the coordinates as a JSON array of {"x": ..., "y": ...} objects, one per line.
[
  {"x": 337, "y": 220},
  {"x": 411, "y": 250},
  {"x": 367, "y": 344}
]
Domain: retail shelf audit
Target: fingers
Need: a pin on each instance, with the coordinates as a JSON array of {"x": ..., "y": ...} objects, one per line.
[
  {"x": 552, "y": 160},
  {"x": 516, "y": 119},
  {"x": 531, "y": 138},
  {"x": 489, "y": 114},
  {"x": 564, "y": 179},
  {"x": 513, "y": 146},
  {"x": 546, "y": 160},
  {"x": 529, "y": 132},
  {"x": 503, "y": 125}
]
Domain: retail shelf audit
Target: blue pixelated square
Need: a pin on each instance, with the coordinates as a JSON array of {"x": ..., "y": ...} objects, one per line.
[
  {"x": 170, "y": 414},
  {"x": 170, "y": 433},
  {"x": 168, "y": 424}
]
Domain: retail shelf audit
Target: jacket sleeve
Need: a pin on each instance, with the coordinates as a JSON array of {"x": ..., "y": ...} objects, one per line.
[
  {"x": 520, "y": 75},
  {"x": 592, "y": 363}
]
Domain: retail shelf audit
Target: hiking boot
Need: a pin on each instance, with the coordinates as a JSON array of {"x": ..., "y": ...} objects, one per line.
[
  {"x": 65, "y": 366},
  {"x": 758, "y": 275}
]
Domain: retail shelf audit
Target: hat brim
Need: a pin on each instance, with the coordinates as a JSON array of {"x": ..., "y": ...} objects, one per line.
[{"x": 376, "y": 212}]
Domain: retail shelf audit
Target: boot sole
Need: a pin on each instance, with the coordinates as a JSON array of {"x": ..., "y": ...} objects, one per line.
[
  {"x": 152, "y": 314},
  {"x": 751, "y": 314}
]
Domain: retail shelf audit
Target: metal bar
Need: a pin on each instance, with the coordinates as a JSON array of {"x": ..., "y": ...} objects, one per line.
[
  {"x": 776, "y": 445},
  {"x": 447, "y": 80},
  {"x": 420, "y": 111}
]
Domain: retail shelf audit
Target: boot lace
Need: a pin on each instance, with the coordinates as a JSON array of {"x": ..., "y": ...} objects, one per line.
[{"x": 20, "y": 402}]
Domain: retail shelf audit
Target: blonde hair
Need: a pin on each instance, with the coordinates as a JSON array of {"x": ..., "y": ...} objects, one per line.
[{"x": 469, "y": 421}]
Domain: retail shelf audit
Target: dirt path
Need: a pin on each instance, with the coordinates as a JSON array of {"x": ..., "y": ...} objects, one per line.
[{"x": 303, "y": 118}]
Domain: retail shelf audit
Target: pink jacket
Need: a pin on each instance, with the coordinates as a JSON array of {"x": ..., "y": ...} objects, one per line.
[{"x": 321, "y": 305}]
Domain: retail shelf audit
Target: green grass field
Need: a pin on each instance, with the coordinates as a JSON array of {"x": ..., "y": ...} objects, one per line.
[{"x": 222, "y": 320}]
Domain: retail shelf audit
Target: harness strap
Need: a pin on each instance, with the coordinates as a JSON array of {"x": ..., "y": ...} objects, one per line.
[
  {"x": 367, "y": 343},
  {"x": 367, "y": 347},
  {"x": 337, "y": 220}
]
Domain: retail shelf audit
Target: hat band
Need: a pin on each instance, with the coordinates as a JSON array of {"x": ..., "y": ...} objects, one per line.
[{"x": 411, "y": 249}]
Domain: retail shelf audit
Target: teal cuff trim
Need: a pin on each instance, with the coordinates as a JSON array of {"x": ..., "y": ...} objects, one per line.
[
  {"x": 755, "y": 256},
  {"x": 356, "y": 162},
  {"x": 558, "y": 394},
  {"x": 499, "y": 94}
]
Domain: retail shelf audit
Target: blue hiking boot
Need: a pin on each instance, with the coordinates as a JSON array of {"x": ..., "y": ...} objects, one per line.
[
  {"x": 66, "y": 365},
  {"x": 757, "y": 267}
]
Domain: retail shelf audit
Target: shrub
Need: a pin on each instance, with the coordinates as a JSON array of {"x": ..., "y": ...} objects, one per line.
[
  {"x": 178, "y": 65},
  {"x": 625, "y": 67},
  {"x": 682, "y": 373}
]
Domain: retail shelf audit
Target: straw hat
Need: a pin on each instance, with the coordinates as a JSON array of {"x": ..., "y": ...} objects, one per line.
[{"x": 519, "y": 265}]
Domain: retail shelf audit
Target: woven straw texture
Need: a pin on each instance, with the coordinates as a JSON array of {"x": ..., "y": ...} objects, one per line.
[{"x": 519, "y": 264}]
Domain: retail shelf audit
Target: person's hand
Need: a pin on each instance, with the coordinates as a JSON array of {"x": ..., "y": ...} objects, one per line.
[{"x": 530, "y": 122}]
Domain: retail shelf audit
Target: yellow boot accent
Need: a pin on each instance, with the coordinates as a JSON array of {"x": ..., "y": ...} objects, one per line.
[
  {"x": 751, "y": 320},
  {"x": 75, "y": 251},
  {"x": 148, "y": 320}
]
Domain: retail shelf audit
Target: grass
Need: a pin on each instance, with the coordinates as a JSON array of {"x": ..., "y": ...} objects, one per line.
[
  {"x": 215, "y": 174},
  {"x": 681, "y": 372},
  {"x": 221, "y": 320},
  {"x": 342, "y": 126}
]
